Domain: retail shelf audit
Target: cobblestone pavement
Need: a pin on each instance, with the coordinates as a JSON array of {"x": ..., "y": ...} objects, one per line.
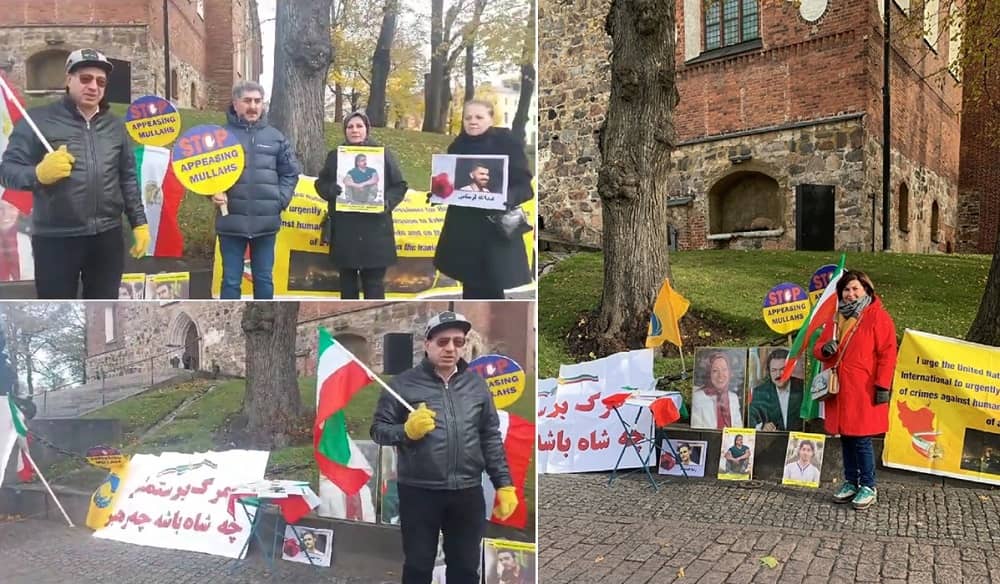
[
  {"x": 46, "y": 552},
  {"x": 708, "y": 531}
]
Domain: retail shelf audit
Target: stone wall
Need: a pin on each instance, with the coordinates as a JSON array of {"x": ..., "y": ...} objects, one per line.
[{"x": 146, "y": 334}]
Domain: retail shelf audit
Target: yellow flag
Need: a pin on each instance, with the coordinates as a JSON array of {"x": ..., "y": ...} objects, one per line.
[
  {"x": 667, "y": 312},
  {"x": 104, "y": 500}
]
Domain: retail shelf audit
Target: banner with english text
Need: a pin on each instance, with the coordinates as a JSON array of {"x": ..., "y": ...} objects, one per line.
[
  {"x": 182, "y": 502},
  {"x": 944, "y": 416},
  {"x": 576, "y": 432}
]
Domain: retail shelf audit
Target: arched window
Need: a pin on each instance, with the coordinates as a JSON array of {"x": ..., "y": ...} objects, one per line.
[
  {"x": 46, "y": 70},
  {"x": 935, "y": 222},
  {"x": 904, "y": 208}
]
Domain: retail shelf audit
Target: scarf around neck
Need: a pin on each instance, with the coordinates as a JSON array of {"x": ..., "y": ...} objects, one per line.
[
  {"x": 853, "y": 309},
  {"x": 723, "y": 416}
]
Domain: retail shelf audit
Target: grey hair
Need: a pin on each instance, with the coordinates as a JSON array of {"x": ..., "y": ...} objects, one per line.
[{"x": 244, "y": 86}]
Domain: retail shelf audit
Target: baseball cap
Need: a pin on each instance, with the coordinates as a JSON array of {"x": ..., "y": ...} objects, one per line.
[
  {"x": 85, "y": 57},
  {"x": 447, "y": 319}
]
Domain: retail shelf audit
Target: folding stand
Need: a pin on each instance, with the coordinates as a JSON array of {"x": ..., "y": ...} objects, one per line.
[
  {"x": 255, "y": 523},
  {"x": 642, "y": 402}
]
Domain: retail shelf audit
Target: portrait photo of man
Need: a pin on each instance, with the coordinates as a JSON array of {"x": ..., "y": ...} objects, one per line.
[
  {"x": 776, "y": 406},
  {"x": 479, "y": 178},
  {"x": 690, "y": 459}
]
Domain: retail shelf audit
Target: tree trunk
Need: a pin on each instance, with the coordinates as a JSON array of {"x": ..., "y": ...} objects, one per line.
[
  {"x": 432, "y": 81},
  {"x": 527, "y": 80},
  {"x": 354, "y": 99},
  {"x": 380, "y": 64},
  {"x": 635, "y": 143},
  {"x": 985, "y": 328},
  {"x": 301, "y": 61},
  {"x": 444, "y": 113},
  {"x": 272, "y": 403},
  {"x": 338, "y": 103},
  {"x": 470, "y": 73}
]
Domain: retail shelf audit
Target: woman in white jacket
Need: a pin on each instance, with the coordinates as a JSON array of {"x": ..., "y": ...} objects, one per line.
[{"x": 717, "y": 405}]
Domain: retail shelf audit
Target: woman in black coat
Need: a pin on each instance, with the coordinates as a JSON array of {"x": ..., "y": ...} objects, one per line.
[
  {"x": 363, "y": 245},
  {"x": 472, "y": 249}
]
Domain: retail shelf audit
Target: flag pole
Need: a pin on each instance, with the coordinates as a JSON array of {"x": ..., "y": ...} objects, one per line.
[
  {"x": 6, "y": 89},
  {"x": 371, "y": 374},
  {"x": 24, "y": 446}
]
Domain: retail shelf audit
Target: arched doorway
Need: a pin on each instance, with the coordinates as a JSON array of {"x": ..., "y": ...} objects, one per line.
[
  {"x": 46, "y": 70},
  {"x": 935, "y": 222},
  {"x": 184, "y": 341},
  {"x": 745, "y": 201}
]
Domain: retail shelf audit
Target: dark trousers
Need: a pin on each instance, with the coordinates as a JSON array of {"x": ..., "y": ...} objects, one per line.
[
  {"x": 460, "y": 515},
  {"x": 481, "y": 291},
  {"x": 372, "y": 282},
  {"x": 62, "y": 262},
  {"x": 859, "y": 460}
]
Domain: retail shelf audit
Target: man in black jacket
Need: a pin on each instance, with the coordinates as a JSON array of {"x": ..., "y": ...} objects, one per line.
[
  {"x": 443, "y": 447},
  {"x": 81, "y": 188},
  {"x": 254, "y": 204}
]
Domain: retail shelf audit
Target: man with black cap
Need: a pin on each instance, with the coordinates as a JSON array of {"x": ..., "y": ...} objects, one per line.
[
  {"x": 443, "y": 447},
  {"x": 81, "y": 188}
]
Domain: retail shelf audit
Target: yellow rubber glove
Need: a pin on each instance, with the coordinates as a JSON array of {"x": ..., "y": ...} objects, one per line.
[
  {"x": 55, "y": 166},
  {"x": 141, "y": 234},
  {"x": 420, "y": 422},
  {"x": 507, "y": 502}
]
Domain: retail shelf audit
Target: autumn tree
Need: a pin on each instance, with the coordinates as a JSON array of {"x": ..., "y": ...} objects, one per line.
[
  {"x": 46, "y": 342},
  {"x": 382, "y": 64},
  {"x": 452, "y": 30},
  {"x": 635, "y": 141},
  {"x": 527, "y": 87},
  {"x": 302, "y": 53},
  {"x": 271, "y": 404}
]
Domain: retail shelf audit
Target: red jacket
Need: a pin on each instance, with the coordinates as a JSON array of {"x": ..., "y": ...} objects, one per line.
[{"x": 868, "y": 360}]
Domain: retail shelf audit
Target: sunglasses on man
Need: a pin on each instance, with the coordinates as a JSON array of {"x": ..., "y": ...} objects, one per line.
[
  {"x": 87, "y": 79},
  {"x": 442, "y": 342}
]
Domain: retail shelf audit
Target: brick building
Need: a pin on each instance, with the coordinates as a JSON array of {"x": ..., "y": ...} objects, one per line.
[
  {"x": 130, "y": 337},
  {"x": 779, "y": 125},
  {"x": 39, "y": 35}
]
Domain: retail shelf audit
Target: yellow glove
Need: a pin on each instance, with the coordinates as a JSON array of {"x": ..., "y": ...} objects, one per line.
[
  {"x": 420, "y": 422},
  {"x": 55, "y": 166},
  {"x": 507, "y": 502},
  {"x": 141, "y": 234}
]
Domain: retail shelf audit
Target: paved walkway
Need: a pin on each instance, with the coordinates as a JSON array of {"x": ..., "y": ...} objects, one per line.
[
  {"x": 705, "y": 531},
  {"x": 46, "y": 552}
]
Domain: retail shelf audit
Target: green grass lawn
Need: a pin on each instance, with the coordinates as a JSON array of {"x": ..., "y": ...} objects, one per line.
[
  {"x": 933, "y": 293},
  {"x": 141, "y": 412},
  {"x": 196, "y": 214}
]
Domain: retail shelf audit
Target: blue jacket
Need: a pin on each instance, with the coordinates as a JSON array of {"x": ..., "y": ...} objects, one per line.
[{"x": 268, "y": 181}]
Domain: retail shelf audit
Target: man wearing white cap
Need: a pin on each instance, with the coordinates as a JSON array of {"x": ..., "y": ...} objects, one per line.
[
  {"x": 443, "y": 448},
  {"x": 81, "y": 189}
]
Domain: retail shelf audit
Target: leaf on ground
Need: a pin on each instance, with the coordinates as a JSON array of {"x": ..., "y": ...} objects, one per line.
[
  {"x": 598, "y": 559},
  {"x": 769, "y": 561},
  {"x": 680, "y": 572}
]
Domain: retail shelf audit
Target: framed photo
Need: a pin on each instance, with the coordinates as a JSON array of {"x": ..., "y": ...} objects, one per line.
[
  {"x": 774, "y": 406},
  {"x": 469, "y": 181},
  {"x": 736, "y": 460},
  {"x": 361, "y": 177},
  {"x": 690, "y": 458},
  {"x": 717, "y": 399},
  {"x": 508, "y": 562},
  {"x": 168, "y": 287},
  {"x": 803, "y": 459},
  {"x": 311, "y": 544},
  {"x": 133, "y": 287}
]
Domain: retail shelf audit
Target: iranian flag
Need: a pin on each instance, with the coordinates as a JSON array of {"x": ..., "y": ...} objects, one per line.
[
  {"x": 518, "y": 444},
  {"x": 822, "y": 313},
  {"x": 161, "y": 194},
  {"x": 14, "y": 432},
  {"x": 338, "y": 377},
  {"x": 10, "y": 114}
]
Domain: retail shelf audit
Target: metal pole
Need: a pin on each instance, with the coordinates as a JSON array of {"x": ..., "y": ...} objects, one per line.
[
  {"x": 166, "y": 51},
  {"x": 886, "y": 115}
]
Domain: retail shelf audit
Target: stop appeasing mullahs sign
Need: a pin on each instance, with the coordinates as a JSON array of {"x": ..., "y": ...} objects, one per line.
[
  {"x": 182, "y": 501},
  {"x": 576, "y": 432}
]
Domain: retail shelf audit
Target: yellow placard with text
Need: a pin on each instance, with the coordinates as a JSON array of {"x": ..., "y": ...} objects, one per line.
[
  {"x": 302, "y": 265},
  {"x": 944, "y": 416}
]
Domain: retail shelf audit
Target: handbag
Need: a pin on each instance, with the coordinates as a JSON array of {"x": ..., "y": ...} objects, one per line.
[
  {"x": 511, "y": 224},
  {"x": 824, "y": 384}
]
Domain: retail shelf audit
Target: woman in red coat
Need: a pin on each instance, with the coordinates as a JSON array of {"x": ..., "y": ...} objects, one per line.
[{"x": 862, "y": 347}]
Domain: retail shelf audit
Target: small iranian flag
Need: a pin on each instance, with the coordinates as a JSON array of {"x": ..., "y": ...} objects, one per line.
[
  {"x": 338, "y": 377},
  {"x": 822, "y": 313},
  {"x": 14, "y": 432},
  {"x": 161, "y": 198},
  {"x": 10, "y": 114}
]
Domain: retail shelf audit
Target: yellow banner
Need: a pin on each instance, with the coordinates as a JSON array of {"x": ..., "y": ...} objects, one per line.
[
  {"x": 103, "y": 501},
  {"x": 302, "y": 265},
  {"x": 944, "y": 417}
]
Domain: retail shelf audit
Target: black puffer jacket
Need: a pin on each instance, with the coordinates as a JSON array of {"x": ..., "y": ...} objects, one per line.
[
  {"x": 465, "y": 442},
  {"x": 103, "y": 182},
  {"x": 267, "y": 184},
  {"x": 471, "y": 249},
  {"x": 362, "y": 240}
]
